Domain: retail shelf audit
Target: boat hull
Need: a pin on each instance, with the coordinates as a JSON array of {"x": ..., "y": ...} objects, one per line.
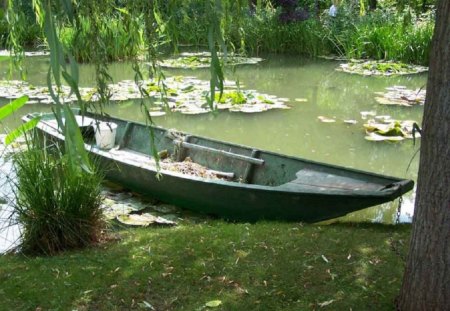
[
  {"x": 238, "y": 202},
  {"x": 283, "y": 188}
]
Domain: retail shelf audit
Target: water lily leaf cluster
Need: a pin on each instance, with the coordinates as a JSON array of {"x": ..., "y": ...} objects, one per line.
[
  {"x": 143, "y": 220},
  {"x": 130, "y": 210},
  {"x": 401, "y": 96},
  {"x": 184, "y": 94},
  {"x": 6, "y": 53},
  {"x": 380, "y": 68},
  {"x": 203, "y": 60},
  {"x": 384, "y": 128}
]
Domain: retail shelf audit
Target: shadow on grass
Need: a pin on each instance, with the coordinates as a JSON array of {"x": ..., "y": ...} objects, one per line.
[{"x": 262, "y": 266}]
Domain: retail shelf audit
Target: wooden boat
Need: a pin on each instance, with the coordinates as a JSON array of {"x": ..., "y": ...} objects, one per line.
[{"x": 228, "y": 180}]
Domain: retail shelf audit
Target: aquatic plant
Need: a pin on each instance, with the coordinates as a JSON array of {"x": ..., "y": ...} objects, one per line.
[
  {"x": 233, "y": 97},
  {"x": 203, "y": 60},
  {"x": 400, "y": 95},
  {"x": 383, "y": 128},
  {"x": 380, "y": 68}
]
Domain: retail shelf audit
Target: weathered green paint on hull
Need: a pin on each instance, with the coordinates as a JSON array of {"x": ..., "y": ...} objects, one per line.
[{"x": 277, "y": 187}]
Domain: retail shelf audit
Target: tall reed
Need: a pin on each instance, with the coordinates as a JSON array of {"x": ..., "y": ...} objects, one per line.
[
  {"x": 57, "y": 206},
  {"x": 120, "y": 42},
  {"x": 382, "y": 35}
]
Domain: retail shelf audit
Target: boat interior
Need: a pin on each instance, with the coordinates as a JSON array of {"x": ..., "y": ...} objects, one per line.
[{"x": 228, "y": 161}]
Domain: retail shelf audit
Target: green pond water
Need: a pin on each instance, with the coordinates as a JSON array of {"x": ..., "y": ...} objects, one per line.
[{"x": 297, "y": 131}]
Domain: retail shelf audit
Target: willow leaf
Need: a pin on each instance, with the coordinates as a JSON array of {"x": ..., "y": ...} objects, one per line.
[
  {"x": 73, "y": 85},
  {"x": 74, "y": 142},
  {"x": 21, "y": 130},
  {"x": 68, "y": 8},
  {"x": 13, "y": 106},
  {"x": 53, "y": 43}
]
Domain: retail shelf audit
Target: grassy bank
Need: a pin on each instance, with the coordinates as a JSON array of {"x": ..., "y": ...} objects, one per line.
[{"x": 264, "y": 266}]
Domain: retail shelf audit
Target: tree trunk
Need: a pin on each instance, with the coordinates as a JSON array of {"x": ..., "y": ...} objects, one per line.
[{"x": 426, "y": 283}]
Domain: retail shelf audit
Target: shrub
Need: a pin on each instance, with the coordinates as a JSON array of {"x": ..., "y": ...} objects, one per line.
[
  {"x": 58, "y": 206},
  {"x": 382, "y": 34},
  {"x": 265, "y": 33},
  {"x": 119, "y": 40}
]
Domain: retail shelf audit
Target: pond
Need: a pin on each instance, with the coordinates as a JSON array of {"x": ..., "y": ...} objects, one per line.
[{"x": 297, "y": 131}]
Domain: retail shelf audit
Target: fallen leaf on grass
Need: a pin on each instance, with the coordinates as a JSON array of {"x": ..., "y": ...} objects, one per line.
[
  {"x": 145, "y": 305},
  {"x": 325, "y": 259},
  {"x": 325, "y": 303},
  {"x": 213, "y": 303}
]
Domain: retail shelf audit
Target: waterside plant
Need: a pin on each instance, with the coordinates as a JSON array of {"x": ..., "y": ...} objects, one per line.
[
  {"x": 387, "y": 33},
  {"x": 57, "y": 205}
]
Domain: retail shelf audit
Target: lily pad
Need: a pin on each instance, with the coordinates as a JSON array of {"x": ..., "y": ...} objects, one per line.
[
  {"x": 116, "y": 210},
  {"x": 390, "y": 130},
  {"x": 157, "y": 113},
  {"x": 164, "y": 208},
  {"x": 143, "y": 220},
  {"x": 365, "y": 114},
  {"x": 350, "y": 121},
  {"x": 326, "y": 119},
  {"x": 203, "y": 60},
  {"x": 194, "y": 111},
  {"x": 380, "y": 68},
  {"x": 377, "y": 137},
  {"x": 190, "y": 101},
  {"x": 401, "y": 96},
  {"x": 253, "y": 109}
]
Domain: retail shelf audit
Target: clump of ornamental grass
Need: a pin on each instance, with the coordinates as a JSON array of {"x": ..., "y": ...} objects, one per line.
[{"x": 57, "y": 204}]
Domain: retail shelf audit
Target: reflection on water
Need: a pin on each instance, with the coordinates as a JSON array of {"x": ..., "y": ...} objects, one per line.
[{"x": 296, "y": 131}]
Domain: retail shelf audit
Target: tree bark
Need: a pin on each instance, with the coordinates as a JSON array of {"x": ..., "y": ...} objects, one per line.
[{"x": 426, "y": 283}]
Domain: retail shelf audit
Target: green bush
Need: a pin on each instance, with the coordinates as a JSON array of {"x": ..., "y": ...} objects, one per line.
[
  {"x": 119, "y": 40},
  {"x": 264, "y": 33},
  {"x": 58, "y": 206},
  {"x": 387, "y": 35}
]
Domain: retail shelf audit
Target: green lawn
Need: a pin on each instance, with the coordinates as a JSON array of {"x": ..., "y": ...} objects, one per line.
[{"x": 263, "y": 266}]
